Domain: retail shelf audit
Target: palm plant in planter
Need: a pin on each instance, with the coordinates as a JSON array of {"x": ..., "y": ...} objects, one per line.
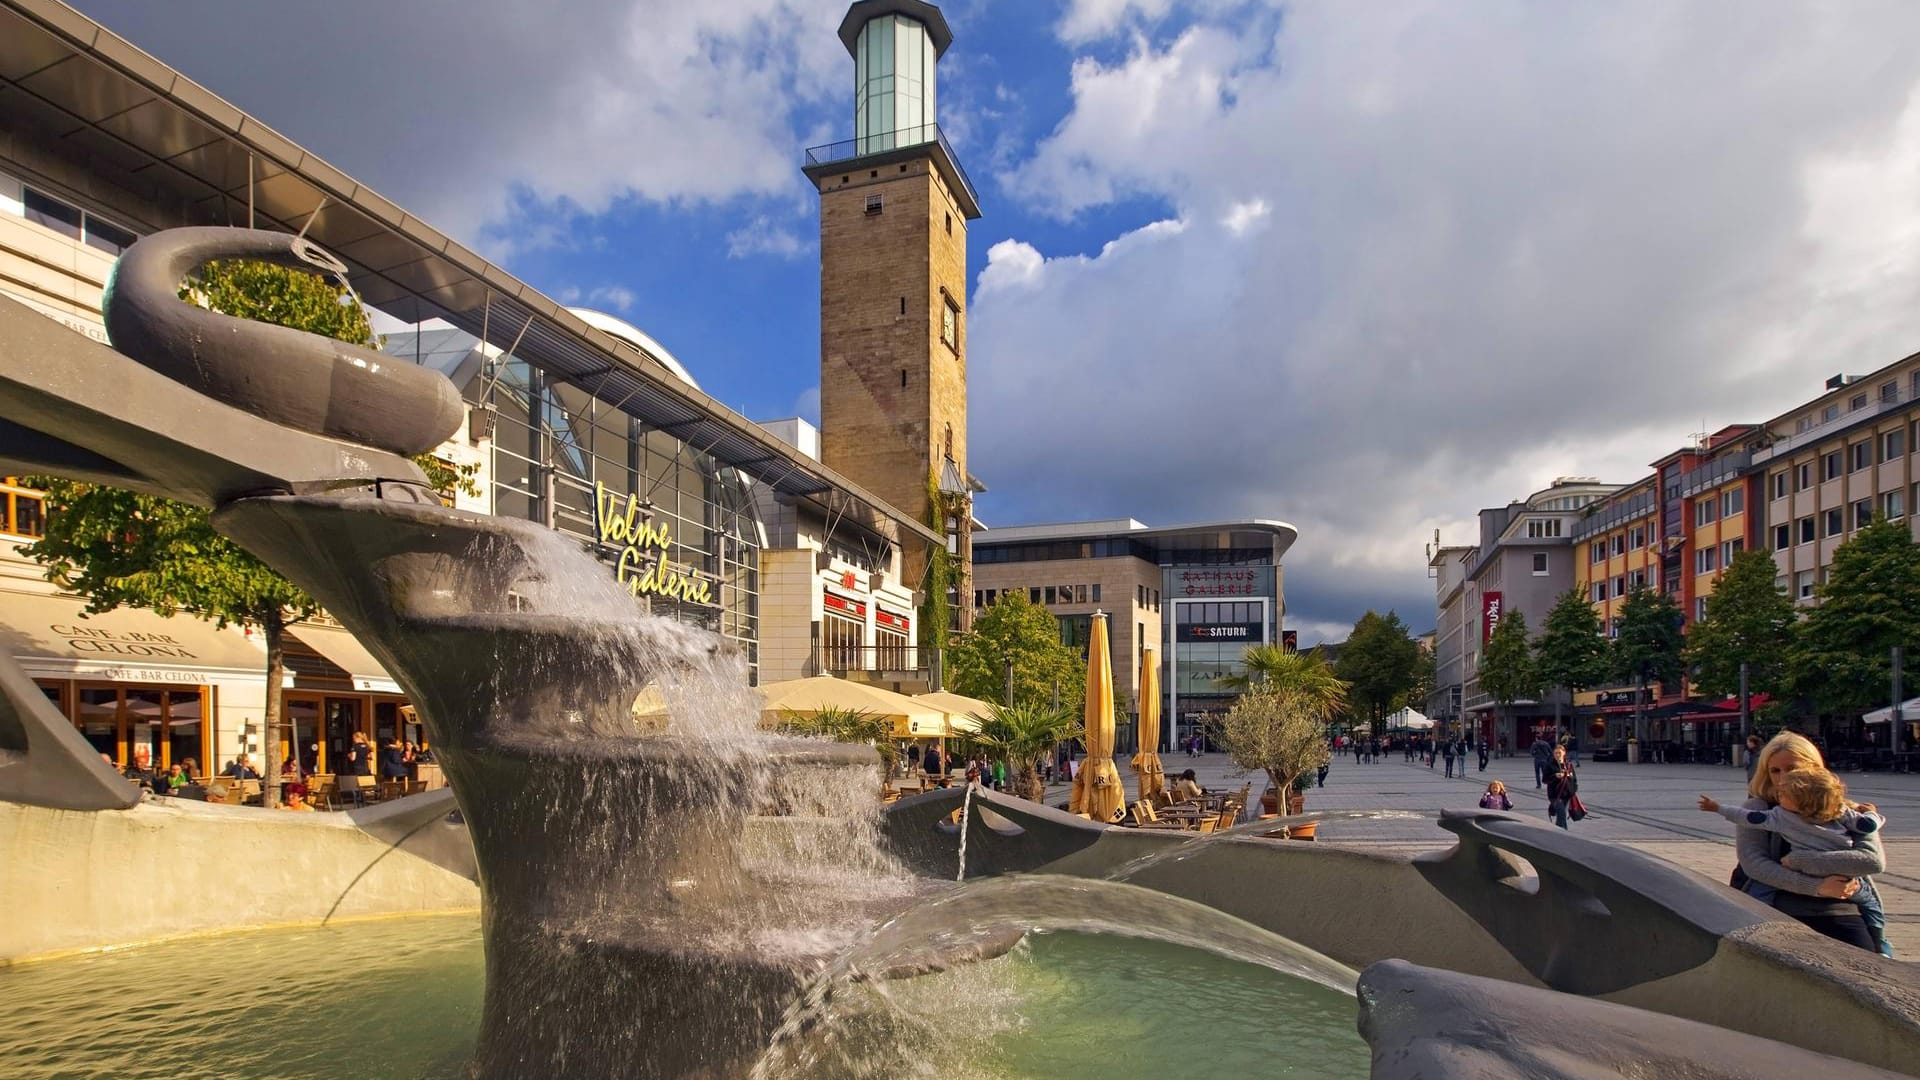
[{"x": 1018, "y": 734}]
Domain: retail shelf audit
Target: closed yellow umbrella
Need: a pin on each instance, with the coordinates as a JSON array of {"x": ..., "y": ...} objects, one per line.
[
  {"x": 1153, "y": 776},
  {"x": 1097, "y": 791}
]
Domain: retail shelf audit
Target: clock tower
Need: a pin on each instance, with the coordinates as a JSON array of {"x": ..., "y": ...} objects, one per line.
[{"x": 894, "y": 208}]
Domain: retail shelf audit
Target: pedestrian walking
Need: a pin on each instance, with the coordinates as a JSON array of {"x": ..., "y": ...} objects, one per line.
[
  {"x": 1563, "y": 788},
  {"x": 1483, "y": 755},
  {"x": 1448, "y": 754},
  {"x": 1542, "y": 757}
]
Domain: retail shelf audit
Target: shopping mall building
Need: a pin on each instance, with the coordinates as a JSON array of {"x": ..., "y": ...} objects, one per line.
[
  {"x": 571, "y": 415},
  {"x": 1201, "y": 594}
]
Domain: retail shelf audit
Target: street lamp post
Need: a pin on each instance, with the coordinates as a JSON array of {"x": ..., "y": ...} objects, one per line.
[{"x": 1895, "y": 722}]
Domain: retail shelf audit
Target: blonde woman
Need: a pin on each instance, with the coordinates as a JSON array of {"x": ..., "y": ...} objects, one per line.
[{"x": 1815, "y": 887}]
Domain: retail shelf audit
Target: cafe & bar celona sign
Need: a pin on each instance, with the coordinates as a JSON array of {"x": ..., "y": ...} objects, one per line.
[{"x": 642, "y": 566}]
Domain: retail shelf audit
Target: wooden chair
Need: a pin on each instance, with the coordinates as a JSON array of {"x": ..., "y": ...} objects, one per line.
[{"x": 1144, "y": 817}]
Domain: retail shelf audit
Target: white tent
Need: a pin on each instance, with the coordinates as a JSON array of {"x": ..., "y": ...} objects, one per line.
[
  {"x": 1909, "y": 710},
  {"x": 1409, "y": 718}
]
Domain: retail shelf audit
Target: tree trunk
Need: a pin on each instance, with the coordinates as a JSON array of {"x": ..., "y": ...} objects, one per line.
[
  {"x": 1640, "y": 715},
  {"x": 274, "y": 629}
]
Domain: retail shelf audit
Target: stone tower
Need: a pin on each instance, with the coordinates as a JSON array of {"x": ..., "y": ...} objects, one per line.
[{"x": 894, "y": 207}]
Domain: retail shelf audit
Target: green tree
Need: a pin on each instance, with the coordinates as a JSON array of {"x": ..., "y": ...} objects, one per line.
[
  {"x": 119, "y": 549},
  {"x": 1571, "y": 651},
  {"x": 1426, "y": 678},
  {"x": 1870, "y": 603},
  {"x": 1019, "y": 734},
  {"x": 1748, "y": 620},
  {"x": 1647, "y": 646},
  {"x": 1017, "y": 630},
  {"x": 1276, "y": 732},
  {"x": 1509, "y": 671},
  {"x": 1379, "y": 663}
]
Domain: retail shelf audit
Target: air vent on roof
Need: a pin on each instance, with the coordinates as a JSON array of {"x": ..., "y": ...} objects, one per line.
[{"x": 874, "y": 203}]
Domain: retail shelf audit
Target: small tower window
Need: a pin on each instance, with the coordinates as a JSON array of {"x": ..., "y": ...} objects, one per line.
[
  {"x": 903, "y": 376},
  {"x": 874, "y": 203},
  {"x": 949, "y": 223}
]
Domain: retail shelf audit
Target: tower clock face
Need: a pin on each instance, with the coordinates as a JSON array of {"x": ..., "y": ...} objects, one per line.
[{"x": 947, "y": 329}]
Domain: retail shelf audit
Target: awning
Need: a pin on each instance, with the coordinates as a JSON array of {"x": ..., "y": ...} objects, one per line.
[
  {"x": 1909, "y": 710},
  {"x": 1732, "y": 704},
  {"x": 51, "y": 638},
  {"x": 348, "y": 655}
]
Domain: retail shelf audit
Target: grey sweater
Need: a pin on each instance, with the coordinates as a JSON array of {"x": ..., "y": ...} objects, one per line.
[{"x": 1750, "y": 843}]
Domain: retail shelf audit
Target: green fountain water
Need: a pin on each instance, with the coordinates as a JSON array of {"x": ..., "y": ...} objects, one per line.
[{"x": 403, "y": 998}]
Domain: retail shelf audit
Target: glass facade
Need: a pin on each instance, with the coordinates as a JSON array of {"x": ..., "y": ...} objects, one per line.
[
  {"x": 1221, "y": 600},
  {"x": 893, "y": 91},
  {"x": 553, "y": 442}
]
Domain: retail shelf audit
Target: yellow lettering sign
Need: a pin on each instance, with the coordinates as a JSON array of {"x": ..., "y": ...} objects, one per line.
[{"x": 642, "y": 566}]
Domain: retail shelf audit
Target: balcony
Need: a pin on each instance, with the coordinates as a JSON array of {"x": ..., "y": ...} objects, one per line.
[
  {"x": 1604, "y": 520},
  {"x": 884, "y": 664},
  {"x": 1820, "y": 429},
  {"x": 822, "y": 159},
  {"x": 1714, "y": 473},
  {"x": 22, "y": 511}
]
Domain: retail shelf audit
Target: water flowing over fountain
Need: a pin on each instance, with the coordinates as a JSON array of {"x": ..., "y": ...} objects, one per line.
[
  {"x": 678, "y": 894},
  {"x": 630, "y": 928}
]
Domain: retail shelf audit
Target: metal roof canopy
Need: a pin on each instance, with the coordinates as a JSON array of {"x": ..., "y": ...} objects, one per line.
[{"x": 169, "y": 142}]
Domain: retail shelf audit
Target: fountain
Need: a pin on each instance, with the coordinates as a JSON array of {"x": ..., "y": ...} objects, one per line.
[{"x": 634, "y": 923}]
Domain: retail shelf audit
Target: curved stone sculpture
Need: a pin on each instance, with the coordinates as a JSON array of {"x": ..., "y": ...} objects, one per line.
[
  {"x": 288, "y": 376},
  {"x": 1441, "y": 1025},
  {"x": 44, "y": 761},
  {"x": 1514, "y": 900}
]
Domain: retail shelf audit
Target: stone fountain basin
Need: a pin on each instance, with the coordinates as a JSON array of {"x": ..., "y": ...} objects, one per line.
[{"x": 1514, "y": 901}]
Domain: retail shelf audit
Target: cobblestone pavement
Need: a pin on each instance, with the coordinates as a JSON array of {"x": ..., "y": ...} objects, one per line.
[{"x": 1649, "y": 807}]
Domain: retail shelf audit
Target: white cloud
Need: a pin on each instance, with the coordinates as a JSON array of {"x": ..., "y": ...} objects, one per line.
[
  {"x": 764, "y": 236},
  {"x": 807, "y": 405},
  {"x": 618, "y": 297},
  {"x": 1498, "y": 245},
  {"x": 472, "y": 114}
]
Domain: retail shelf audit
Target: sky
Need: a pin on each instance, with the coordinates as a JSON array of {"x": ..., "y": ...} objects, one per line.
[{"x": 1361, "y": 267}]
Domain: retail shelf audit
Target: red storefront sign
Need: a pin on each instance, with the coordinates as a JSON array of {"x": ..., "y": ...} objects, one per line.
[
  {"x": 855, "y": 608},
  {"x": 1218, "y": 582},
  {"x": 888, "y": 619},
  {"x": 1490, "y": 609}
]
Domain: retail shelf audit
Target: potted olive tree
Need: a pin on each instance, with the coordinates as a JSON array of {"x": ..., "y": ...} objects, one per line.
[{"x": 1283, "y": 735}]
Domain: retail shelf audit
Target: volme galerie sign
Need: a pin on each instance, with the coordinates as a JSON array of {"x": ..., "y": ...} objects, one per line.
[{"x": 642, "y": 566}]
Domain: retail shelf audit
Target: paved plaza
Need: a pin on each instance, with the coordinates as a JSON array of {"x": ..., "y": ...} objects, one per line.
[{"x": 1650, "y": 807}]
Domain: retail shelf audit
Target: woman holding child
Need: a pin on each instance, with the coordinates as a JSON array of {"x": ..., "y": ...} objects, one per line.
[{"x": 1803, "y": 848}]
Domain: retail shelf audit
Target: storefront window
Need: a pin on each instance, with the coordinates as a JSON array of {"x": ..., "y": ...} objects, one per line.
[
  {"x": 99, "y": 720},
  {"x": 840, "y": 638},
  {"x": 185, "y": 728},
  {"x": 304, "y": 714}
]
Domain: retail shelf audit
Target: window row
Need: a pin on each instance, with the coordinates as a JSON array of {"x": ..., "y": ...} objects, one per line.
[
  {"x": 1711, "y": 508},
  {"x": 74, "y": 223},
  {"x": 1712, "y": 558},
  {"x": 1619, "y": 544},
  {"x": 1863, "y": 454},
  {"x": 1147, "y": 598},
  {"x": 1837, "y": 521},
  {"x": 1543, "y": 528},
  {"x": 1041, "y": 594},
  {"x": 1621, "y": 585},
  {"x": 1228, "y": 612}
]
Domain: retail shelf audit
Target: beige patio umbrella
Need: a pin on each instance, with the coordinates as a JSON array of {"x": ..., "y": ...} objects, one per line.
[
  {"x": 1153, "y": 776},
  {"x": 821, "y": 693},
  {"x": 961, "y": 710},
  {"x": 1098, "y": 791}
]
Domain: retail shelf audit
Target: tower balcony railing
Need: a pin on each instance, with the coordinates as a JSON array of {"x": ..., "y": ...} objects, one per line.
[{"x": 885, "y": 141}]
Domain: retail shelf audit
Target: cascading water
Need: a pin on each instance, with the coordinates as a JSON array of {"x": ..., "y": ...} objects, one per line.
[{"x": 966, "y": 815}]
